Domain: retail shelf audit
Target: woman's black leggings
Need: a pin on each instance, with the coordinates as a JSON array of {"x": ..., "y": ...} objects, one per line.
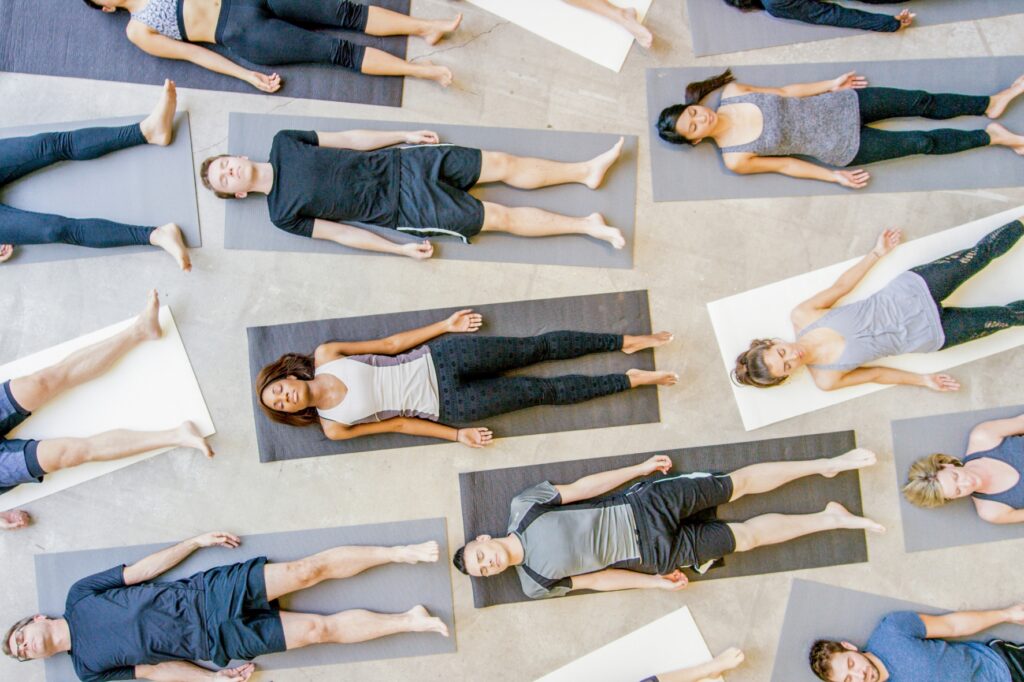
[
  {"x": 877, "y": 104},
  {"x": 20, "y": 156},
  {"x": 265, "y": 31},
  {"x": 471, "y": 385},
  {"x": 945, "y": 275}
]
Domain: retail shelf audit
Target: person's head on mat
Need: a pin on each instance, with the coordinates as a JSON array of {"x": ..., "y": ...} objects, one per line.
[
  {"x": 284, "y": 392},
  {"x": 105, "y": 5},
  {"x": 31, "y": 638},
  {"x": 691, "y": 122},
  {"x": 229, "y": 177},
  {"x": 937, "y": 479},
  {"x": 768, "y": 362},
  {"x": 843, "y": 662}
]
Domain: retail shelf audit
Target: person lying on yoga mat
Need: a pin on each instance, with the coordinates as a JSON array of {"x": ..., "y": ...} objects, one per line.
[
  {"x": 274, "y": 33},
  {"x": 626, "y": 17},
  {"x": 576, "y": 537},
  {"x": 413, "y": 382},
  {"x": 829, "y": 13},
  {"x": 28, "y": 461},
  {"x": 20, "y": 156},
  {"x": 316, "y": 180},
  {"x": 991, "y": 473},
  {"x": 760, "y": 130},
  {"x": 915, "y": 647},
  {"x": 837, "y": 343},
  {"x": 120, "y": 624},
  {"x": 729, "y": 659}
]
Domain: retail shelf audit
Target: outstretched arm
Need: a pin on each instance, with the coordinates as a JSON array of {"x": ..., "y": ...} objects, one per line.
[
  {"x": 967, "y": 623},
  {"x": 598, "y": 484},
  {"x": 846, "y": 81},
  {"x": 749, "y": 164},
  {"x": 473, "y": 436},
  {"x": 166, "y": 559},
  {"x": 705, "y": 672},
  {"x": 612, "y": 579},
  {"x": 829, "y": 380},
  {"x": 368, "y": 140},
  {"x": 364, "y": 240},
  {"x": 181, "y": 671},
  {"x": 461, "y": 321}
]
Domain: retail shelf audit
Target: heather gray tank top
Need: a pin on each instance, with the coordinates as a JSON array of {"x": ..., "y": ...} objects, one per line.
[
  {"x": 1010, "y": 451},
  {"x": 901, "y": 318},
  {"x": 826, "y": 127},
  {"x": 164, "y": 17}
]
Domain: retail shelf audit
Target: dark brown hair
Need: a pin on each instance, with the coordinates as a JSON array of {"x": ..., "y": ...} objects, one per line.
[
  {"x": 751, "y": 369},
  {"x": 290, "y": 364},
  {"x": 695, "y": 92},
  {"x": 10, "y": 633},
  {"x": 204, "y": 175},
  {"x": 746, "y": 5},
  {"x": 821, "y": 657}
]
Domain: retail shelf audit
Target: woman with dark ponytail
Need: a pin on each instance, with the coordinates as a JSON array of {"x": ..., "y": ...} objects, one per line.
[
  {"x": 827, "y": 13},
  {"x": 761, "y": 130}
]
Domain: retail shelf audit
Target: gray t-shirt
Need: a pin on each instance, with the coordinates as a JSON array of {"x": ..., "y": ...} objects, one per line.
[{"x": 560, "y": 541}]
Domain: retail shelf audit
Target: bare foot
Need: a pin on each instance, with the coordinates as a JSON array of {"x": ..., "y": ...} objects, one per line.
[
  {"x": 999, "y": 101},
  {"x": 14, "y": 519},
  {"x": 631, "y": 22},
  {"x": 633, "y": 344},
  {"x": 414, "y": 554},
  {"x": 599, "y": 165},
  {"x": 728, "y": 659},
  {"x": 421, "y": 621},
  {"x": 858, "y": 458},
  {"x": 158, "y": 127},
  {"x": 440, "y": 29},
  {"x": 844, "y": 519},
  {"x": 148, "y": 323},
  {"x": 441, "y": 75},
  {"x": 599, "y": 229},
  {"x": 189, "y": 437},
  {"x": 168, "y": 237},
  {"x": 644, "y": 377},
  {"x": 1004, "y": 138}
]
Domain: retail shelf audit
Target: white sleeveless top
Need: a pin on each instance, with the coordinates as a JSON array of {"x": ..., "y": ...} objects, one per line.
[{"x": 384, "y": 386}]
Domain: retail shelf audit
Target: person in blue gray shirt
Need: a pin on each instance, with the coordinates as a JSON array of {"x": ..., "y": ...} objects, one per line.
[
  {"x": 913, "y": 647},
  {"x": 827, "y": 13}
]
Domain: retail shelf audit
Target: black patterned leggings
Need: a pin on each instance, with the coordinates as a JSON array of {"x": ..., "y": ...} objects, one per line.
[
  {"x": 471, "y": 385},
  {"x": 945, "y": 275}
]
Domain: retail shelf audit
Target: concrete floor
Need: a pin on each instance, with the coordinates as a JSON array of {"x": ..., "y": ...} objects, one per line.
[{"x": 686, "y": 254}]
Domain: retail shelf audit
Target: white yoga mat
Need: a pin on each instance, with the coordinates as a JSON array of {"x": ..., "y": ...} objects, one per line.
[
  {"x": 764, "y": 313},
  {"x": 151, "y": 388},
  {"x": 598, "y": 39},
  {"x": 667, "y": 644}
]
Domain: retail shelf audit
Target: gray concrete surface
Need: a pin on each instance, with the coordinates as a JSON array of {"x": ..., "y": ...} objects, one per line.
[{"x": 686, "y": 254}]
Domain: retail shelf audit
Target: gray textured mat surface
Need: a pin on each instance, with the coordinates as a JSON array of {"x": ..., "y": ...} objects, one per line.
[
  {"x": 684, "y": 173},
  {"x": 248, "y": 223},
  {"x": 486, "y": 496},
  {"x": 956, "y": 523},
  {"x": 716, "y": 28},
  {"x": 389, "y": 589},
  {"x": 621, "y": 313},
  {"x": 118, "y": 187},
  {"x": 847, "y": 615},
  {"x": 62, "y": 38}
]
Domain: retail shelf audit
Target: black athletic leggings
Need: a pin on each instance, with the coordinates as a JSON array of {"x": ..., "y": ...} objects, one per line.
[
  {"x": 265, "y": 32},
  {"x": 20, "y": 156},
  {"x": 472, "y": 388},
  {"x": 877, "y": 104},
  {"x": 945, "y": 275}
]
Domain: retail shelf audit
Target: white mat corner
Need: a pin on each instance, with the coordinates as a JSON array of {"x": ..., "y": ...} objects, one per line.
[
  {"x": 764, "y": 313},
  {"x": 153, "y": 387}
]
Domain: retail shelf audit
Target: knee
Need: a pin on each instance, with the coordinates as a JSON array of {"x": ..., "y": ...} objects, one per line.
[
  {"x": 744, "y": 537},
  {"x": 64, "y": 454},
  {"x": 499, "y": 164},
  {"x": 497, "y": 217},
  {"x": 307, "y": 571},
  {"x": 316, "y": 630},
  {"x": 47, "y": 382}
]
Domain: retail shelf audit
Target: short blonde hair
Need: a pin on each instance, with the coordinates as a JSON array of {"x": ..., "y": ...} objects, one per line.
[{"x": 922, "y": 488}]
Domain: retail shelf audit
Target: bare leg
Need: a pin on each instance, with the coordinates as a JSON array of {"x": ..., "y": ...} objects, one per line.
[
  {"x": 760, "y": 478},
  {"x": 772, "y": 529},
  {"x": 64, "y": 453},
  {"x": 357, "y": 625},
  {"x": 14, "y": 519},
  {"x": 35, "y": 390},
  {"x": 531, "y": 173},
  {"x": 158, "y": 127},
  {"x": 1001, "y": 137},
  {"x": 634, "y": 344},
  {"x": 379, "y": 63},
  {"x": 627, "y": 18},
  {"x": 168, "y": 237},
  {"x": 340, "y": 562},
  {"x": 643, "y": 377},
  {"x": 999, "y": 101},
  {"x": 535, "y": 222},
  {"x": 384, "y": 22}
]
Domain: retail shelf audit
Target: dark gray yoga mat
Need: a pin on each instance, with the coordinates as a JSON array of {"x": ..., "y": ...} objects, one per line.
[
  {"x": 717, "y": 28},
  {"x": 486, "y": 496},
  {"x": 816, "y": 611},
  {"x": 621, "y": 313},
  {"x": 684, "y": 173},
  {"x": 143, "y": 185},
  {"x": 66, "y": 38},
  {"x": 956, "y": 523},
  {"x": 248, "y": 223},
  {"x": 388, "y": 589}
]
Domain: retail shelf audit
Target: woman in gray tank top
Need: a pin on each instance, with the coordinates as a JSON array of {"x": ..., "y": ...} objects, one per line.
[
  {"x": 991, "y": 473},
  {"x": 837, "y": 343},
  {"x": 763, "y": 130}
]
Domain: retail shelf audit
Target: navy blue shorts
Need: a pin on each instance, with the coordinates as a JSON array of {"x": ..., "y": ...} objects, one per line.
[
  {"x": 18, "y": 461},
  {"x": 240, "y": 622},
  {"x": 433, "y": 191}
]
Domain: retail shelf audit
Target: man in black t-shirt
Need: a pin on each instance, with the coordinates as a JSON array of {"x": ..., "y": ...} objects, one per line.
[
  {"x": 119, "y": 626},
  {"x": 318, "y": 182}
]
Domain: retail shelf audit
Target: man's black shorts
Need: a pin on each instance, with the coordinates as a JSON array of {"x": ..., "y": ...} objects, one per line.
[
  {"x": 241, "y": 623},
  {"x": 433, "y": 191},
  {"x": 676, "y": 522}
]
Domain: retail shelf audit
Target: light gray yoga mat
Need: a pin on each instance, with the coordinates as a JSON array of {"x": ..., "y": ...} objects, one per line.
[
  {"x": 956, "y": 523},
  {"x": 249, "y": 227},
  {"x": 66, "y": 38},
  {"x": 717, "y": 28},
  {"x": 144, "y": 185},
  {"x": 684, "y": 173},
  {"x": 388, "y": 589},
  {"x": 486, "y": 496},
  {"x": 816, "y": 611},
  {"x": 620, "y": 313}
]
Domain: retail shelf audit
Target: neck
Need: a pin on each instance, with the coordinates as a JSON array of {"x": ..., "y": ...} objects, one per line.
[
  {"x": 60, "y": 634},
  {"x": 263, "y": 178},
  {"x": 984, "y": 473},
  {"x": 132, "y": 5},
  {"x": 319, "y": 391},
  {"x": 883, "y": 672},
  {"x": 514, "y": 547},
  {"x": 722, "y": 125}
]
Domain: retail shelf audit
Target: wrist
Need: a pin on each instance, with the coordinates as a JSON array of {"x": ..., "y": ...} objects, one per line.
[{"x": 455, "y": 436}]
